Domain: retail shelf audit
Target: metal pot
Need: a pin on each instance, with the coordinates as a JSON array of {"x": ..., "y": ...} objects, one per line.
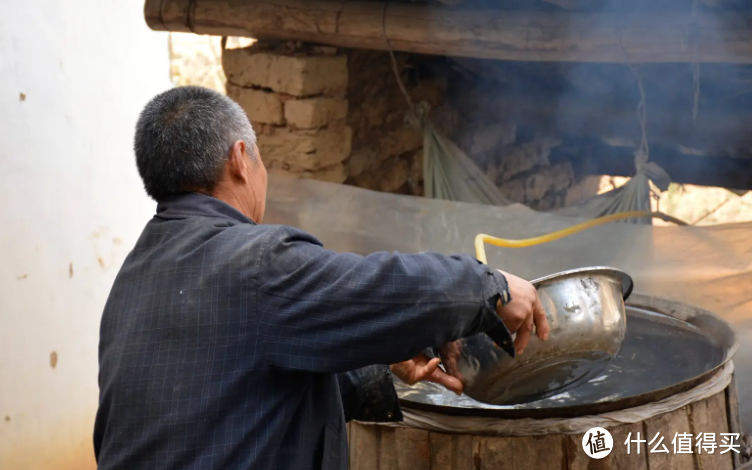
[{"x": 585, "y": 310}]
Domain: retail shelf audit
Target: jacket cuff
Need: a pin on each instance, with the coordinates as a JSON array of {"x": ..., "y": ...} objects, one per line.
[
  {"x": 495, "y": 290},
  {"x": 368, "y": 395}
]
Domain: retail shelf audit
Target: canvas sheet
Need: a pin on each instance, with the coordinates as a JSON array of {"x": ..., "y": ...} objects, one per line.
[{"x": 710, "y": 267}]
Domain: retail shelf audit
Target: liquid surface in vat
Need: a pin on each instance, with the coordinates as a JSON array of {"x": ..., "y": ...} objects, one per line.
[{"x": 658, "y": 351}]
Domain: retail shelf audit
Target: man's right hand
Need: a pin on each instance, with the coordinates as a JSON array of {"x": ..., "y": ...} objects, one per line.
[{"x": 522, "y": 312}]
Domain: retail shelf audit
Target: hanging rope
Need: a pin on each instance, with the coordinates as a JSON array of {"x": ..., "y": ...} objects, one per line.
[
  {"x": 448, "y": 173},
  {"x": 695, "y": 64},
  {"x": 635, "y": 195},
  {"x": 395, "y": 66},
  {"x": 642, "y": 155},
  {"x": 696, "y": 78}
]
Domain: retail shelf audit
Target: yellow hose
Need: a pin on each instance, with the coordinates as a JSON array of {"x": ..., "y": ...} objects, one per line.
[{"x": 481, "y": 238}]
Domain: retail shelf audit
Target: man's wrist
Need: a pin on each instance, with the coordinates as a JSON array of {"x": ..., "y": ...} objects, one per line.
[{"x": 496, "y": 295}]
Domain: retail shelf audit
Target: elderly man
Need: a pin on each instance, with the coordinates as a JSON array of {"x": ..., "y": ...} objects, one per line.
[{"x": 226, "y": 344}]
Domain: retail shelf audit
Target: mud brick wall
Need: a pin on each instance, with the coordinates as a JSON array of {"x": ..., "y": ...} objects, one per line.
[
  {"x": 331, "y": 114},
  {"x": 296, "y": 101}
]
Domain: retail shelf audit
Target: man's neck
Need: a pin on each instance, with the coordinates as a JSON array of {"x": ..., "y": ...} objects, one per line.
[{"x": 238, "y": 200}]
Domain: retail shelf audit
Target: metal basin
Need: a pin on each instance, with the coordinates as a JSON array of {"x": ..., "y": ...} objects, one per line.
[{"x": 586, "y": 313}]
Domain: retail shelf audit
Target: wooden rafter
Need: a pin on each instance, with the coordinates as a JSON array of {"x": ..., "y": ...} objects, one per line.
[{"x": 489, "y": 34}]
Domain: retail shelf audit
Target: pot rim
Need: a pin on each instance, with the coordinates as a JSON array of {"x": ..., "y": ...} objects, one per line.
[{"x": 627, "y": 284}]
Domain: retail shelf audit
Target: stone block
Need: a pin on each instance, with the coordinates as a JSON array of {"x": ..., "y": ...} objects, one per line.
[
  {"x": 536, "y": 186},
  {"x": 563, "y": 176},
  {"x": 548, "y": 179},
  {"x": 305, "y": 75},
  {"x": 314, "y": 112},
  {"x": 360, "y": 161},
  {"x": 584, "y": 189},
  {"x": 366, "y": 180},
  {"x": 306, "y": 149},
  {"x": 387, "y": 176},
  {"x": 545, "y": 204},
  {"x": 519, "y": 160},
  {"x": 394, "y": 173},
  {"x": 333, "y": 174},
  {"x": 526, "y": 156},
  {"x": 513, "y": 190},
  {"x": 260, "y": 106},
  {"x": 399, "y": 141},
  {"x": 336, "y": 173}
]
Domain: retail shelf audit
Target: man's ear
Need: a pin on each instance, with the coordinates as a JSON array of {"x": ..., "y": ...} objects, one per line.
[{"x": 237, "y": 163}]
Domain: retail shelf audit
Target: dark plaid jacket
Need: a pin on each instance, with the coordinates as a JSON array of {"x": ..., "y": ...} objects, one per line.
[{"x": 221, "y": 340}]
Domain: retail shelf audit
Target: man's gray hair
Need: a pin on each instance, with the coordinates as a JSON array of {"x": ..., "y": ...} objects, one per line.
[{"x": 184, "y": 137}]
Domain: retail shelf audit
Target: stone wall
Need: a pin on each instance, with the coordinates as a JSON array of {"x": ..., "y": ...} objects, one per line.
[
  {"x": 339, "y": 115},
  {"x": 520, "y": 161},
  {"x": 521, "y": 165},
  {"x": 387, "y": 152}
]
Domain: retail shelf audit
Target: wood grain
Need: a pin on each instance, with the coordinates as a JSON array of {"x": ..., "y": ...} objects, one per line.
[
  {"x": 618, "y": 459},
  {"x": 489, "y": 34},
  {"x": 732, "y": 411},
  {"x": 374, "y": 447},
  {"x": 519, "y": 453},
  {"x": 451, "y": 451},
  {"x": 709, "y": 416}
]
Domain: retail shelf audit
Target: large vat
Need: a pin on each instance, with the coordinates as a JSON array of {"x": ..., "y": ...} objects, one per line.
[{"x": 673, "y": 376}]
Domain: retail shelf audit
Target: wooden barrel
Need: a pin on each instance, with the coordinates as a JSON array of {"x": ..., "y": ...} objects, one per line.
[
  {"x": 380, "y": 447},
  {"x": 712, "y": 410}
]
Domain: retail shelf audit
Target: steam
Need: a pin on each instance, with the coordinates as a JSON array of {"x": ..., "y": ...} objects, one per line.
[{"x": 696, "y": 114}]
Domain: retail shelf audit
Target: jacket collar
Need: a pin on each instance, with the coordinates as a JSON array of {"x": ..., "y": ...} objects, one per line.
[{"x": 198, "y": 205}]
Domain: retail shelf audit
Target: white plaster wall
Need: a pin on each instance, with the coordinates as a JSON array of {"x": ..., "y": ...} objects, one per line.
[{"x": 71, "y": 207}]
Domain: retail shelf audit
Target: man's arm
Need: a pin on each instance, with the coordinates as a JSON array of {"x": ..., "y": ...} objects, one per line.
[{"x": 323, "y": 311}]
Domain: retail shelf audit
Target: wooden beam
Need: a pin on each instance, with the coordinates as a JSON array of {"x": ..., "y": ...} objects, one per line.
[{"x": 488, "y": 34}]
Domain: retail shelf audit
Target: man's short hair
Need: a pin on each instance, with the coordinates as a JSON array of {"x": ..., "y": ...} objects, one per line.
[{"x": 184, "y": 137}]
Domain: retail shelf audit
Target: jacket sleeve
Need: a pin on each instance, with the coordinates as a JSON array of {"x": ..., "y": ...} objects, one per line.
[
  {"x": 368, "y": 395},
  {"x": 321, "y": 311}
]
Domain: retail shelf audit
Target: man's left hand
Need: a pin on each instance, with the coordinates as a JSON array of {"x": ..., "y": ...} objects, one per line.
[{"x": 422, "y": 368}]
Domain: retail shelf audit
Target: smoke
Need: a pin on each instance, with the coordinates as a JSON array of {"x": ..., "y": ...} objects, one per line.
[{"x": 697, "y": 114}]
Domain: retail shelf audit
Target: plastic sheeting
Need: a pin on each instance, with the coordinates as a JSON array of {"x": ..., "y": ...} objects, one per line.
[
  {"x": 451, "y": 175},
  {"x": 710, "y": 267},
  {"x": 531, "y": 427},
  {"x": 634, "y": 195},
  {"x": 448, "y": 173}
]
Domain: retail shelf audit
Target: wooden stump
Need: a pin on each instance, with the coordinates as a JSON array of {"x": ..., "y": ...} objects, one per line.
[{"x": 377, "y": 447}]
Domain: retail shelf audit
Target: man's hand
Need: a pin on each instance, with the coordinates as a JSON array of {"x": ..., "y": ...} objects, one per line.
[
  {"x": 522, "y": 312},
  {"x": 421, "y": 368}
]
